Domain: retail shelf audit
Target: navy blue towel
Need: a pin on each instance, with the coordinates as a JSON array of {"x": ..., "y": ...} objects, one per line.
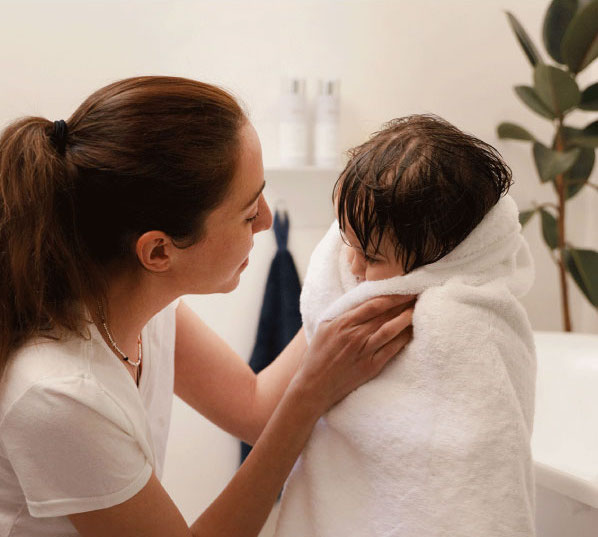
[{"x": 280, "y": 318}]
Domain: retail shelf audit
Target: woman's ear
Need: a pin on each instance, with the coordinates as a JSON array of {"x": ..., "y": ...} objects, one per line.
[{"x": 153, "y": 250}]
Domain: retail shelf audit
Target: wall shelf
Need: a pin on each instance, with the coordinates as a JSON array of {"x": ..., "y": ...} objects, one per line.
[{"x": 305, "y": 192}]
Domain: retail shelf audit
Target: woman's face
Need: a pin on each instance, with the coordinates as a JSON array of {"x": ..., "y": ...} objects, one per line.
[{"x": 214, "y": 264}]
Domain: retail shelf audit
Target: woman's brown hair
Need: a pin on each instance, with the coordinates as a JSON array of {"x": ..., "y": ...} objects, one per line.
[{"x": 144, "y": 153}]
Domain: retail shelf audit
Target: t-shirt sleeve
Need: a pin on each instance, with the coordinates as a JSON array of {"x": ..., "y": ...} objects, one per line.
[{"x": 72, "y": 448}]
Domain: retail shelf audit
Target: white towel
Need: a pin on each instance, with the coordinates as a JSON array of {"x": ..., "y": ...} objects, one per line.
[{"x": 439, "y": 443}]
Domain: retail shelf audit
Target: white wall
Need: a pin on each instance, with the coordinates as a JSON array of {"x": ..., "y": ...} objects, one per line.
[{"x": 456, "y": 58}]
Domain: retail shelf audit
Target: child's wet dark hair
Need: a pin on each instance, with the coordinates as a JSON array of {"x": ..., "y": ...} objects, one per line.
[{"x": 422, "y": 180}]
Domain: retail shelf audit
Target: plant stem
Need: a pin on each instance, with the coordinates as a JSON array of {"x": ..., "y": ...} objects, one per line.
[
  {"x": 547, "y": 204},
  {"x": 560, "y": 184}
]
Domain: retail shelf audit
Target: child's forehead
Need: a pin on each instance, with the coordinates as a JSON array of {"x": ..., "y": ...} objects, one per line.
[
  {"x": 348, "y": 236},
  {"x": 350, "y": 239}
]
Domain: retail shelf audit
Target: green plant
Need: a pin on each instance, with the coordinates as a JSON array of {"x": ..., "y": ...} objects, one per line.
[{"x": 570, "y": 35}]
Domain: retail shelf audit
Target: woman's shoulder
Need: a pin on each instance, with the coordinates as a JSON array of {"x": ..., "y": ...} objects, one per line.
[
  {"x": 48, "y": 355},
  {"x": 42, "y": 359},
  {"x": 50, "y": 361}
]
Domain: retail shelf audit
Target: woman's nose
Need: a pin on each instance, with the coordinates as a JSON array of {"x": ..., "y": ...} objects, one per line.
[{"x": 264, "y": 220}]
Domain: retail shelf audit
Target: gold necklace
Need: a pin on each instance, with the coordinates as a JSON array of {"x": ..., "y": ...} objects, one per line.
[{"x": 123, "y": 355}]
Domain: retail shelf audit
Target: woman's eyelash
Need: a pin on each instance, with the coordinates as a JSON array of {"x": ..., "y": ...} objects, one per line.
[{"x": 253, "y": 218}]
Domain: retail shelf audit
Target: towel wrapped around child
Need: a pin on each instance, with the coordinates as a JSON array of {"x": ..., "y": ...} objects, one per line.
[{"x": 439, "y": 443}]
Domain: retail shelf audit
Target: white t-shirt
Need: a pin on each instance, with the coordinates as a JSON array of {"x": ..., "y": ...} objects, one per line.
[{"x": 76, "y": 434}]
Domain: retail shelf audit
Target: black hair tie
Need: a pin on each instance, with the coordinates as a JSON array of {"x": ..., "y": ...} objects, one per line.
[{"x": 60, "y": 133}]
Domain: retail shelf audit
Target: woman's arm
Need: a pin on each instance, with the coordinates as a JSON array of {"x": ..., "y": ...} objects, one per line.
[
  {"x": 344, "y": 353},
  {"x": 214, "y": 380}
]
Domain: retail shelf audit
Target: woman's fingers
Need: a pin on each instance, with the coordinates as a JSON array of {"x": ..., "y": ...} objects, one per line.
[
  {"x": 372, "y": 334},
  {"x": 353, "y": 348},
  {"x": 388, "y": 331},
  {"x": 375, "y": 307},
  {"x": 361, "y": 322},
  {"x": 385, "y": 353}
]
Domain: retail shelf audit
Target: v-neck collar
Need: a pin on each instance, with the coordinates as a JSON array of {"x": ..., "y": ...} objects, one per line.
[{"x": 146, "y": 360}]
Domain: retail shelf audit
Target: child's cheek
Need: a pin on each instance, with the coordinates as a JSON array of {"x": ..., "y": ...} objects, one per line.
[
  {"x": 372, "y": 273},
  {"x": 381, "y": 271}
]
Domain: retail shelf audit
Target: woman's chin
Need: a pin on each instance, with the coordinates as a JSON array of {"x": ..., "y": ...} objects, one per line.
[
  {"x": 224, "y": 287},
  {"x": 232, "y": 284}
]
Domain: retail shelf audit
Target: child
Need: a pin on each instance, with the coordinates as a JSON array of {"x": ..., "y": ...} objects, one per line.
[{"x": 439, "y": 443}]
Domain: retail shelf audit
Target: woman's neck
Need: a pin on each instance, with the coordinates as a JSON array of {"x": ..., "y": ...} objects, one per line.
[{"x": 131, "y": 301}]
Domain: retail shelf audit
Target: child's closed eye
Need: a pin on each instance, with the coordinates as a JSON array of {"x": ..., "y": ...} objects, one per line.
[{"x": 370, "y": 260}]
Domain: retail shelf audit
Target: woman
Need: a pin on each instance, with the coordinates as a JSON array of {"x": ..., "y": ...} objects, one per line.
[{"x": 151, "y": 190}]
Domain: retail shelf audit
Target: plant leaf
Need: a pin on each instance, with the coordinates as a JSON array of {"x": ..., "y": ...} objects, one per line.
[
  {"x": 513, "y": 132},
  {"x": 583, "y": 266},
  {"x": 587, "y": 137},
  {"x": 556, "y": 88},
  {"x": 576, "y": 176},
  {"x": 549, "y": 229},
  {"x": 579, "y": 46},
  {"x": 550, "y": 163},
  {"x": 529, "y": 96},
  {"x": 558, "y": 16},
  {"x": 525, "y": 216},
  {"x": 524, "y": 40},
  {"x": 589, "y": 98},
  {"x": 568, "y": 135}
]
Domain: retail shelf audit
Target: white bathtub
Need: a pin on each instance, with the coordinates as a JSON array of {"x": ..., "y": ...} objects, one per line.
[{"x": 565, "y": 438}]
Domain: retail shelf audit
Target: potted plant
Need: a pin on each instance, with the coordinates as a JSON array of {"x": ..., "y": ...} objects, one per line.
[{"x": 570, "y": 36}]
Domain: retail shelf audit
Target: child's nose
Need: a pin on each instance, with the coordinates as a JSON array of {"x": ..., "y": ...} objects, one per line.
[{"x": 358, "y": 266}]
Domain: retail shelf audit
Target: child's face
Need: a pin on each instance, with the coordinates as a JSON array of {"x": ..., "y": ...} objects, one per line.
[{"x": 366, "y": 265}]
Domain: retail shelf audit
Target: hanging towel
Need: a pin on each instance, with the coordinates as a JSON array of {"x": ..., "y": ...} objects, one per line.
[
  {"x": 439, "y": 443},
  {"x": 280, "y": 318}
]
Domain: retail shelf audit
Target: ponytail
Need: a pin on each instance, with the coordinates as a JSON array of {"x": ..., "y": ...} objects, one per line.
[{"x": 38, "y": 265}]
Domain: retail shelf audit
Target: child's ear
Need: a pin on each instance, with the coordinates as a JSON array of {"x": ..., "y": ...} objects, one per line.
[{"x": 350, "y": 253}]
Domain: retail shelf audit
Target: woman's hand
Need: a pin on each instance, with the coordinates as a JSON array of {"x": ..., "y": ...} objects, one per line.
[{"x": 353, "y": 348}]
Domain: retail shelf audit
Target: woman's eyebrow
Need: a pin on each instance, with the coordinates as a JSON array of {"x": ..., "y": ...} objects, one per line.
[{"x": 256, "y": 196}]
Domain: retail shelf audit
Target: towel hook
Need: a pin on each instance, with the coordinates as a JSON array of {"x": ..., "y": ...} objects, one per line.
[{"x": 280, "y": 206}]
